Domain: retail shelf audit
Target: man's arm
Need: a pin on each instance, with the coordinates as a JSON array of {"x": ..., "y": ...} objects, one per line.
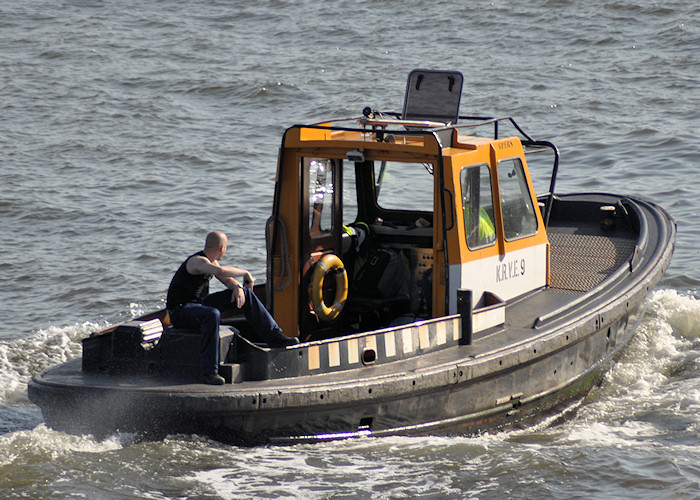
[{"x": 226, "y": 274}]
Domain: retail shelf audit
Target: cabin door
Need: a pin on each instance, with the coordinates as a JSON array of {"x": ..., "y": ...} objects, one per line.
[{"x": 321, "y": 229}]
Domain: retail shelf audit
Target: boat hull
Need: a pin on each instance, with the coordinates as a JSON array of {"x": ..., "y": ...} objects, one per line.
[{"x": 497, "y": 391}]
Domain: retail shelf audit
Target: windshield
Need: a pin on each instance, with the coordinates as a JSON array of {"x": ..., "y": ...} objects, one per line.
[{"x": 404, "y": 185}]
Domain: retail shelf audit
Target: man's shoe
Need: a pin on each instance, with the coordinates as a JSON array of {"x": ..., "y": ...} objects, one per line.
[
  {"x": 213, "y": 379},
  {"x": 282, "y": 340}
]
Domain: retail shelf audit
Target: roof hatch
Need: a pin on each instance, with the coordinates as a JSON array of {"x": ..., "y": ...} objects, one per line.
[{"x": 433, "y": 95}]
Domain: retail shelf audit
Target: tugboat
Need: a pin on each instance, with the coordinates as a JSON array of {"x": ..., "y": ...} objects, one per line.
[{"x": 431, "y": 289}]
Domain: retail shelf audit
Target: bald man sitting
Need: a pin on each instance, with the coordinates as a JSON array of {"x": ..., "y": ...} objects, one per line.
[{"x": 191, "y": 306}]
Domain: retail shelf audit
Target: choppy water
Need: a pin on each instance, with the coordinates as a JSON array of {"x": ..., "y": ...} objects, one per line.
[{"x": 130, "y": 129}]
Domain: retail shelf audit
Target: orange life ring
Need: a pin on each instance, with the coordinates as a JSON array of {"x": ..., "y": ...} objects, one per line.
[{"x": 329, "y": 263}]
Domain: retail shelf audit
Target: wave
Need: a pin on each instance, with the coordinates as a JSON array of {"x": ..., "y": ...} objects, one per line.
[
  {"x": 651, "y": 394},
  {"x": 44, "y": 443},
  {"x": 20, "y": 359}
]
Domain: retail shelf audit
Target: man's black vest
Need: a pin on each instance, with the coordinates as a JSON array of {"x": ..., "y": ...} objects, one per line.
[{"x": 186, "y": 287}]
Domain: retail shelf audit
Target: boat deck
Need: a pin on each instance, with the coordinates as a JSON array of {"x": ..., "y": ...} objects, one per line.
[{"x": 581, "y": 257}]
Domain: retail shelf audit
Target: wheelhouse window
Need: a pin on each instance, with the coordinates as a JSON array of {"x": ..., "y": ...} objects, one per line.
[
  {"x": 321, "y": 188},
  {"x": 477, "y": 206},
  {"x": 517, "y": 207},
  {"x": 404, "y": 185}
]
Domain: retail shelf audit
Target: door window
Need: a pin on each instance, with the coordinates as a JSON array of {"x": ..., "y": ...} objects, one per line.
[
  {"x": 519, "y": 220},
  {"x": 321, "y": 189},
  {"x": 477, "y": 205}
]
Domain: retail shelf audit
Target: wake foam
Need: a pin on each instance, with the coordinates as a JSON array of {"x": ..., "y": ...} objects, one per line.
[
  {"x": 679, "y": 311},
  {"x": 651, "y": 392},
  {"x": 45, "y": 444},
  {"x": 20, "y": 359}
]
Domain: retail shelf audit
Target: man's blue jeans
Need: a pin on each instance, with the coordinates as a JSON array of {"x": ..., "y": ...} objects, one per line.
[{"x": 206, "y": 317}]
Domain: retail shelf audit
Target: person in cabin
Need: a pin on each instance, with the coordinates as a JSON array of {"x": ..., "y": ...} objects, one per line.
[{"x": 190, "y": 305}]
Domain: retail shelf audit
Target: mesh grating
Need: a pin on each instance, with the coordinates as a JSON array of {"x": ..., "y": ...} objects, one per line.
[{"x": 579, "y": 262}]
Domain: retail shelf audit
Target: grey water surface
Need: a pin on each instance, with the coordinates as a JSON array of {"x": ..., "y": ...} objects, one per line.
[{"x": 129, "y": 129}]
